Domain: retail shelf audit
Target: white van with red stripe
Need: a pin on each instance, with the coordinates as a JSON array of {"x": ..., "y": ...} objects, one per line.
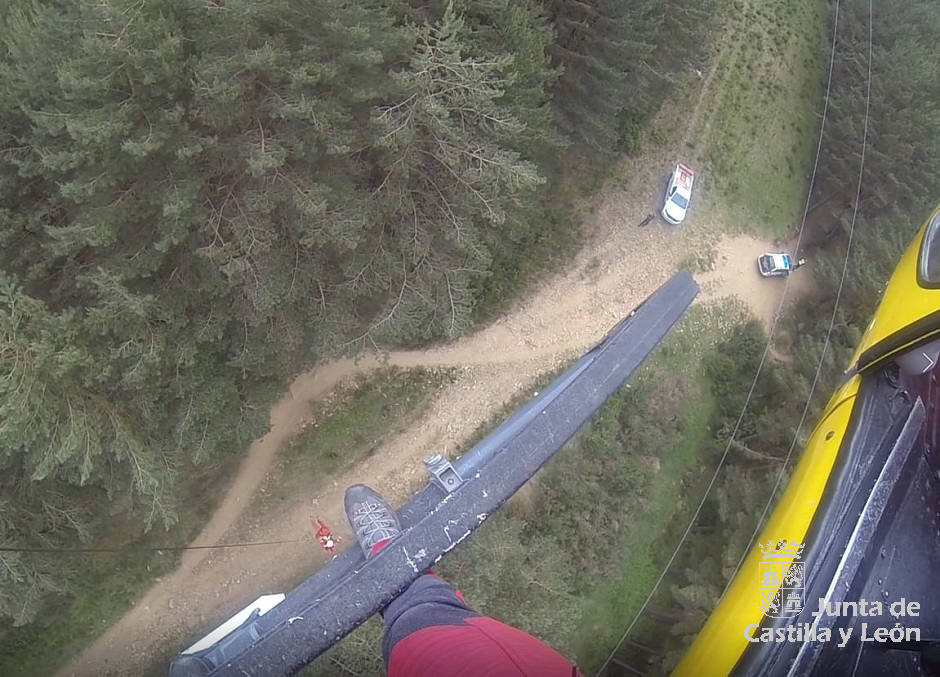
[{"x": 678, "y": 194}]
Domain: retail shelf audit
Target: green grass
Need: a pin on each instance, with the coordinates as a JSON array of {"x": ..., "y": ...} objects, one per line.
[
  {"x": 590, "y": 585},
  {"x": 669, "y": 420},
  {"x": 701, "y": 259},
  {"x": 612, "y": 606},
  {"x": 349, "y": 427},
  {"x": 764, "y": 125}
]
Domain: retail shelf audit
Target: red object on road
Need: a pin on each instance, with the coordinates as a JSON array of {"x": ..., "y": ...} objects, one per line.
[{"x": 325, "y": 536}]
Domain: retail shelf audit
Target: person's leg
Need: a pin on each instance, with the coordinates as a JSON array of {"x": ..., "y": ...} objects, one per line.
[
  {"x": 429, "y": 629},
  {"x": 431, "y": 632},
  {"x": 428, "y": 602}
]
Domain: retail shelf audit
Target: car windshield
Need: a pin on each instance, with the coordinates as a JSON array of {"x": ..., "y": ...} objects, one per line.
[{"x": 679, "y": 200}]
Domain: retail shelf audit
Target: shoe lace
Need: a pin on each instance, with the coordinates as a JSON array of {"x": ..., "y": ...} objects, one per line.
[{"x": 373, "y": 523}]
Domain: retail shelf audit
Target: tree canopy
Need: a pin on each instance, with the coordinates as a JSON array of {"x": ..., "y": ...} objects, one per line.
[
  {"x": 198, "y": 199},
  {"x": 901, "y": 179}
]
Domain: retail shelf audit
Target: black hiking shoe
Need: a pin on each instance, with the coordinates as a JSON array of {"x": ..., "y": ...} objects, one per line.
[{"x": 371, "y": 518}]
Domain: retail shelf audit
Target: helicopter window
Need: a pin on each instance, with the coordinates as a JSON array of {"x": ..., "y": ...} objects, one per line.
[{"x": 928, "y": 269}]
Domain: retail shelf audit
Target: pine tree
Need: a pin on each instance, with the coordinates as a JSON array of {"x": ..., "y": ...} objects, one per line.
[
  {"x": 901, "y": 176},
  {"x": 598, "y": 41},
  {"x": 901, "y": 159},
  {"x": 199, "y": 199},
  {"x": 166, "y": 225},
  {"x": 620, "y": 61},
  {"x": 446, "y": 180}
]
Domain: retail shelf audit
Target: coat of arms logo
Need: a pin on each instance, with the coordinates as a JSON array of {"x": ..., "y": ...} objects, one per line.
[{"x": 781, "y": 579}]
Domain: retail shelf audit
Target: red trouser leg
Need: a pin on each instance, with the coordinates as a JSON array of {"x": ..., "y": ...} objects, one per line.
[{"x": 431, "y": 632}]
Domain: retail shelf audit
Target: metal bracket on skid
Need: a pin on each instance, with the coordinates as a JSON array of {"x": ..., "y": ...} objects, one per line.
[{"x": 442, "y": 473}]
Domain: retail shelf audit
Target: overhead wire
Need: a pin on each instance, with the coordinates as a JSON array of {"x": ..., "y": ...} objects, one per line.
[
  {"x": 832, "y": 319},
  {"x": 760, "y": 366},
  {"x": 171, "y": 548}
]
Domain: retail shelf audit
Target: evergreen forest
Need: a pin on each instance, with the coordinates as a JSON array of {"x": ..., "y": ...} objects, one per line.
[{"x": 199, "y": 198}]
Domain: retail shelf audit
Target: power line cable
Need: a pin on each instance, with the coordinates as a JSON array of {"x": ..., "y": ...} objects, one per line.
[
  {"x": 832, "y": 319},
  {"x": 760, "y": 366},
  {"x": 172, "y": 548}
]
